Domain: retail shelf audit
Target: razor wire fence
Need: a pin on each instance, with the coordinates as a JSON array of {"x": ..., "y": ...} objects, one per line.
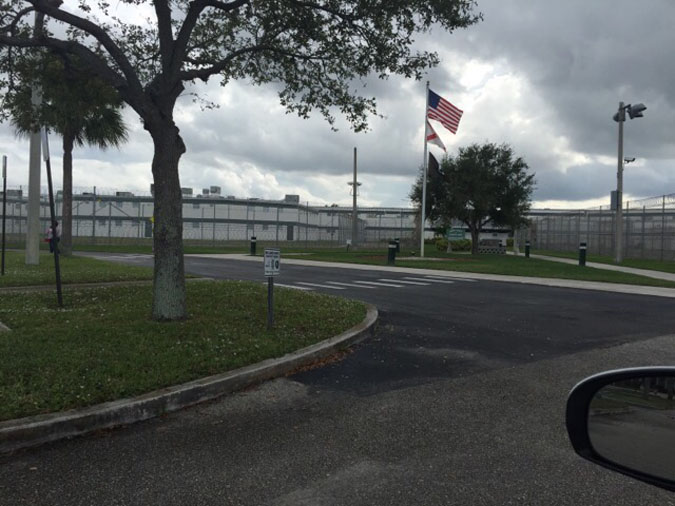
[{"x": 648, "y": 229}]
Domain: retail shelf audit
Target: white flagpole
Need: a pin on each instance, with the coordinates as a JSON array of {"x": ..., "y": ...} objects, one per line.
[{"x": 424, "y": 177}]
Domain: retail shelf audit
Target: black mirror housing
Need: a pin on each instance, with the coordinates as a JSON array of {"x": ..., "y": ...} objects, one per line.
[{"x": 611, "y": 415}]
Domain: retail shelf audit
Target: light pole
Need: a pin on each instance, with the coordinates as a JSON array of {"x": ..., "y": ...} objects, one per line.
[
  {"x": 634, "y": 111},
  {"x": 33, "y": 231}
]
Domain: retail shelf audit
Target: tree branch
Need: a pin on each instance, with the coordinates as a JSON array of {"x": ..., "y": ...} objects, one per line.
[
  {"x": 17, "y": 17},
  {"x": 163, "y": 11},
  {"x": 96, "y": 63},
  {"x": 194, "y": 11},
  {"x": 223, "y": 6},
  {"x": 313, "y": 5},
  {"x": 218, "y": 67},
  {"x": 98, "y": 33}
]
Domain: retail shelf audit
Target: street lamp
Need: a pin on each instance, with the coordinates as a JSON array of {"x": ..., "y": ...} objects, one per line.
[{"x": 634, "y": 111}]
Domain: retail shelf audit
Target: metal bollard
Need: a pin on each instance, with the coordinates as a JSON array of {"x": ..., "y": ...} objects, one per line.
[
  {"x": 253, "y": 243},
  {"x": 582, "y": 254},
  {"x": 527, "y": 249},
  {"x": 398, "y": 244},
  {"x": 391, "y": 257}
]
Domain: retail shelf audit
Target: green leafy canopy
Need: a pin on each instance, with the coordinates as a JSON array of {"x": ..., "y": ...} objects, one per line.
[
  {"x": 75, "y": 104},
  {"x": 481, "y": 184},
  {"x": 314, "y": 50}
]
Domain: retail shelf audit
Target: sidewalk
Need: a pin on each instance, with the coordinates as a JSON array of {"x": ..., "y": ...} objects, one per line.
[{"x": 667, "y": 276}]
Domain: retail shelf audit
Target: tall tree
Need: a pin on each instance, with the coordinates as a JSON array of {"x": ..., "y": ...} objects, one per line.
[
  {"x": 313, "y": 50},
  {"x": 80, "y": 107},
  {"x": 482, "y": 184}
]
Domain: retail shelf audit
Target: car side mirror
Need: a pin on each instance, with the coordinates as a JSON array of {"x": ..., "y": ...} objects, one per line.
[{"x": 624, "y": 420}]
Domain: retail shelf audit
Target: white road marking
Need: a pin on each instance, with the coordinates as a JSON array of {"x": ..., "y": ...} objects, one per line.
[
  {"x": 430, "y": 280},
  {"x": 350, "y": 284},
  {"x": 402, "y": 281},
  {"x": 374, "y": 283},
  {"x": 291, "y": 286},
  {"x": 453, "y": 279},
  {"x": 320, "y": 286}
]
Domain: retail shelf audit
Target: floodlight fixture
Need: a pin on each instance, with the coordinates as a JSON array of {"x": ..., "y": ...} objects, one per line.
[{"x": 635, "y": 111}]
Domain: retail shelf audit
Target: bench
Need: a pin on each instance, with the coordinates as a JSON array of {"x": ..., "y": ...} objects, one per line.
[{"x": 491, "y": 246}]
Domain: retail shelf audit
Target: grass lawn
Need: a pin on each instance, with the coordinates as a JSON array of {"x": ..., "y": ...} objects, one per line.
[
  {"x": 103, "y": 345},
  {"x": 73, "y": 270},
  {"x": 487, "y": 264},
  {"x": 637, "y": 263}
]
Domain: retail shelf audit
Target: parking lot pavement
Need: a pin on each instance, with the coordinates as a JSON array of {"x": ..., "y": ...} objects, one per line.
[
  {"x": 458, "y": 399},
  {"x": 489, "y": 438}
]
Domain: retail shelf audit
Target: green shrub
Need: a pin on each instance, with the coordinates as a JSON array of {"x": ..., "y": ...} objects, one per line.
[
  {"x": 441, "y": 243},
  {"x": 509, "y": 242},
  {"x": 461, "y": 245}
]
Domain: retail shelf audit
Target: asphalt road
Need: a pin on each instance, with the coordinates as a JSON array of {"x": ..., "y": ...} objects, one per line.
[{"x": 458, "y": 399}]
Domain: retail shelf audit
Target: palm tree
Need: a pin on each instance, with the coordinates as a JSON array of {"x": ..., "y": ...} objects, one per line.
[{"x": 79, "y": 107}]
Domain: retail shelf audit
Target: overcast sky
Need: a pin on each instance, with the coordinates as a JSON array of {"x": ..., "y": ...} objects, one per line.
[{"x": 545, "y": 77}]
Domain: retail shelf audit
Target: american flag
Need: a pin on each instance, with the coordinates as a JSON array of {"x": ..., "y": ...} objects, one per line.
[{"x": 444, "y": 112}]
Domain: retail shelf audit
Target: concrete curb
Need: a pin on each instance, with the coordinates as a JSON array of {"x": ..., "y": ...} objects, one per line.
[{"x": 36, "y": 430}]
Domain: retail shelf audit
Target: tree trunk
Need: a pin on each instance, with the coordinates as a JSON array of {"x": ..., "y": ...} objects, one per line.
[
  {"x": 169, "y": 274},
  {"x": 66, "y": 243},
  {"x": 475, "y": 233}
]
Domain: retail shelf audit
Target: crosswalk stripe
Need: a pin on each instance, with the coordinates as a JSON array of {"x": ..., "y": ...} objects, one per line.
[
  {"x": 404, "y": 282},
  {"x": 291, "y": 286},
  {"x": 374, "y": 283},
  {"x": 453, "y": 279},
  {"x": 350, "y": 284},
  {"x": 320, "y": 286},
  {"x": 429, "y": 280}
]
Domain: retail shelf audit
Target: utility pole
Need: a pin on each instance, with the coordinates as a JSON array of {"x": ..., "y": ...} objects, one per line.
[
  {"x": 4, "y": 211},
  {"x": 425, "y": 164},
  {"x": 33, "y": 231},
  {"x": 355, "y": 216}
]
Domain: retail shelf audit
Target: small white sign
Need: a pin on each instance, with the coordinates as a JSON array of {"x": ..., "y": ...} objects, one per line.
[{"x": 272, "y": 262}]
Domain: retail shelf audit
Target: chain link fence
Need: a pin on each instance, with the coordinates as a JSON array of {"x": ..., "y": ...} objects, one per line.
[{"x": 648, "y": 229}]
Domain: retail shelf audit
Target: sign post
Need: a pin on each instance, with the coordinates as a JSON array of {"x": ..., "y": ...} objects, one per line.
[
  {"x": 272, "y": 263},
  {"x": 52, "y": 212}
]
